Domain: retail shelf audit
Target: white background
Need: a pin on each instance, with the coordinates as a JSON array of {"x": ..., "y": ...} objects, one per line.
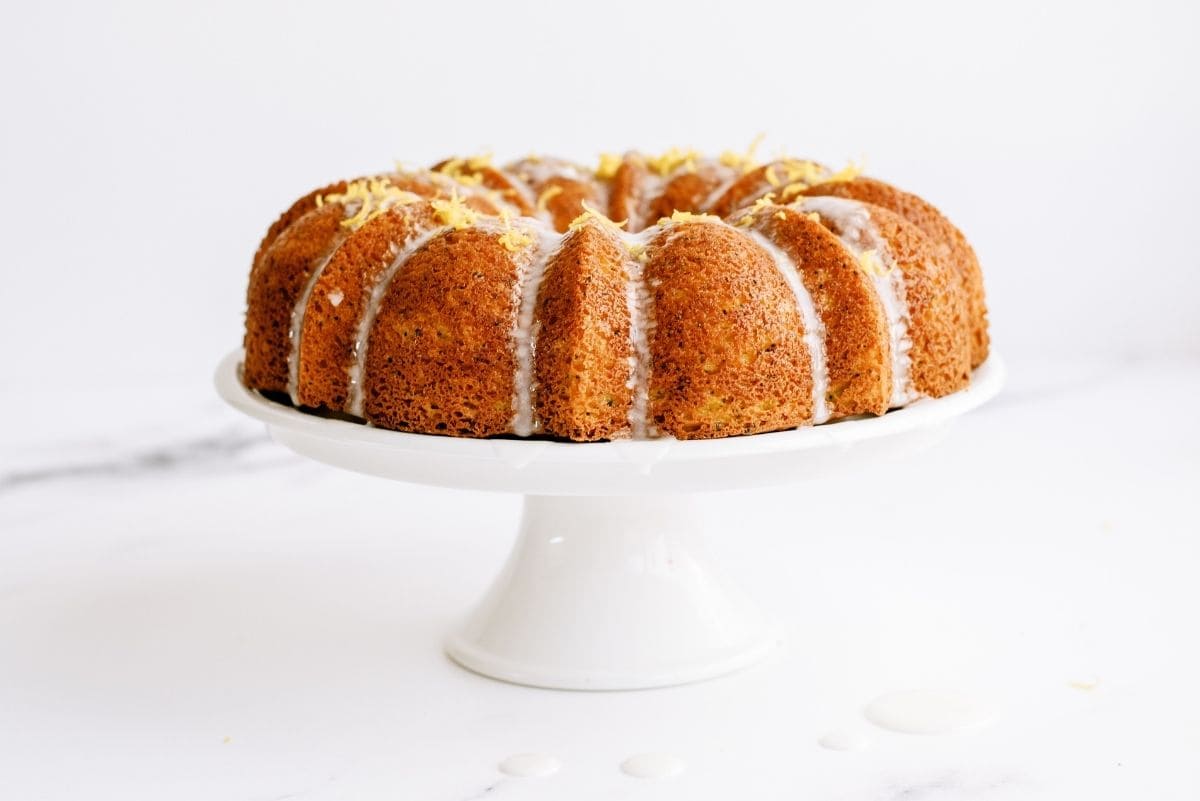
[
  {"x": 147, "y": 146},
  {"x": 188, "y": 611}
]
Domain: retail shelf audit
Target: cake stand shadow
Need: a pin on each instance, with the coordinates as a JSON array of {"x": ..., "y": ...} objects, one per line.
[{"x": 609, "y": 585}]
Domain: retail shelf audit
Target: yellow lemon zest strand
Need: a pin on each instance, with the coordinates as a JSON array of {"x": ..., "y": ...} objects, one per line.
[
  {"x": 608, "y": 166},
  {"x": 793, "y": 189},
  {"x": 545, "y": 197},
  {"x": 758, "y": 205},
  {"x": 764, "y": 201},
  {"x": 847, "y": 173},
  {"x": 513, "y": 239},
  {"x": 592, "y": 214},
  {"x": 743, "y": 161},
  {"x": 802, "y": 170},
  {"x": 770, "y": 175},
  {"x": 368, "y": 197},
  {"x": 871, "y": 264},
  {"x": 479, "y": 162},
  {"x": 461, "y": 171},
  {"x": 454, "y": 213},
  {"x": 688, "y": 217},
  {"x": 673, "y": 159},
  {"x": 812, "y": 215}
]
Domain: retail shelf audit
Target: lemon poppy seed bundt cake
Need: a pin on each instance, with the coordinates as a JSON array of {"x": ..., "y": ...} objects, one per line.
[{"x": 669, "y": 296}]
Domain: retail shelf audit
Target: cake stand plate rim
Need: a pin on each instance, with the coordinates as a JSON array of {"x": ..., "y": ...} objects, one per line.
[{"x": 987, "y": 381}]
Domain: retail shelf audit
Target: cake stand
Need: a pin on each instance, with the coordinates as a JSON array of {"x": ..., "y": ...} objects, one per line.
[{"x": 609, "y": 585}]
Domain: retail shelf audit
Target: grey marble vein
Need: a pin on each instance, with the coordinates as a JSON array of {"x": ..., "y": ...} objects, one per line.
[{"x": 223, "y": 448}]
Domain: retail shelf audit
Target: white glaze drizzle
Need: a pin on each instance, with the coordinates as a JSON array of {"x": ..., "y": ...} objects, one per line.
[
  {"x": 538, "y": 171},
  {"x": 400, "y": 257},
  {"x": 530, "y": 272},
  {"x": 521, "y": 188},
  {"x": 814, "y": 328},
  {"x": 640, "y": 302},
  {"x": 858, "y": 233},
  {"x": 296, "y": 325},
  {"x": 719, "y": 192}
]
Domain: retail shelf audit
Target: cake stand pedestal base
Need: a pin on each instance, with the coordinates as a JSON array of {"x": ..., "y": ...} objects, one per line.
[{"x": 611, "y": 593}]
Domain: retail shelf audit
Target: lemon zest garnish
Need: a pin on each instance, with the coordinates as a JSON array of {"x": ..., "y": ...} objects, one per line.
[
  {"x": 770, "y": 175},
  {"x": 479, "y": 162},
  {"x": 764, "y": 201},
  {"x": 454, "y": 212},
  {"x": 637, "y": 250},
  {"x": 513, "y": 239},
  {"x": 871, "y": 264},
  {"x": 781, "y": 215},
  {"x": 454, "y": 169},
  {"x": 546, "y": 195},
  {"x": 688, "y": 217},
  {"x": 743, "y": 161},
  {"x": 673, "y": 159},
  {"x": 793, "y": 189},
  {"x": 590, "y": 213},
  {"x": 812, "y": 215},
  {"x": 758, "y": 205},
  {"x": 609, "y": 164},
  {"x": 808, "y": 172},
  {"x": 847, "y": 173},
  {"x": 367, "y": 197}
]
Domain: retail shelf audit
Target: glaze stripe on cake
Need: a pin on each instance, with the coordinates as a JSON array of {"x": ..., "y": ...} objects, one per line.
[
  {"x": 862, "y": 239},
  {"x": 297, "y": 325},
  {"x": 814, "y": 329},
  {"x": 640, "y": 302},
  {"x": 531, "y": 267},
  {"x": 356, "y": 401}
]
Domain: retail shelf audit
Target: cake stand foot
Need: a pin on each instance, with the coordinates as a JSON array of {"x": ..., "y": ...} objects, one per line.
[{"x": 610, "y": 593}]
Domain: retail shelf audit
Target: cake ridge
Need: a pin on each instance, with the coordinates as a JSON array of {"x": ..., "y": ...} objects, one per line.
[
  {"x": 417, "y": 240},
  {"x": 297, "y": 324},
  {"x": 861, "y": 238},
  {"x": 814, "y": 329}
]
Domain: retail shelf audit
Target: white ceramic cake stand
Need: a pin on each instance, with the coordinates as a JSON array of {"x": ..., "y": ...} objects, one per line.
[{"x": 609, "y": 585}]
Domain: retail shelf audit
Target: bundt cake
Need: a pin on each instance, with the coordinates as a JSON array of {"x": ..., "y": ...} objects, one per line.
[{"x": 670, "y": 296}]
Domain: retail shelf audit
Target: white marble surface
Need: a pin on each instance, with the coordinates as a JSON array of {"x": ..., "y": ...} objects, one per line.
[{"x": 187, "y": 611}]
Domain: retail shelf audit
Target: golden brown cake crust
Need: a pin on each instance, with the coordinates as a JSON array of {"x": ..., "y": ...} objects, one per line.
[
  {"x": 948, "y": 242},
  {"x": 583, "y": 354},
  {"x": 856, "y": 335},
  {"x": 937, "y": 307},
  {"x": 295, "y": 212},
  {"x": 727, "y": 347},
  {"x": 627, "y": 192},
  {"x": 277, "y": 282},
  {"x": 340, "y": 297},
  {"x": 686, "y": 191},
  {"x": 439, "y": 358},
  {"x": 564, "y": 197},
  {"x": 695, "y": 318}
]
